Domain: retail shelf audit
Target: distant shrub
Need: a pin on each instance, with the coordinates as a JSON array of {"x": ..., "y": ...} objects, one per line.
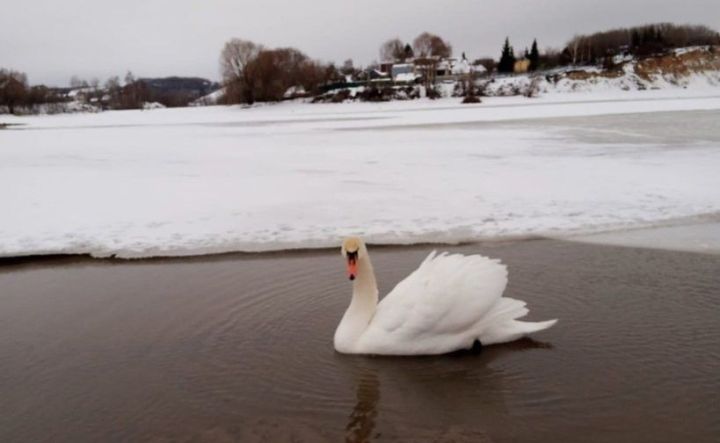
[
  {"x": 432, "y": 93},
  {"x": 340, "y": 96},
  {"x": 371, "y": 94},
  {"x": 533, "y": 89}
]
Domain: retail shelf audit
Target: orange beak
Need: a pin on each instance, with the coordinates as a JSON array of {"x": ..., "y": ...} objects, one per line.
[{"x": 352, "y": 268}]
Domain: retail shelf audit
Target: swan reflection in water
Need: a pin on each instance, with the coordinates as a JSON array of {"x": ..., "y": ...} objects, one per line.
[
  {"x": 362, "y": 419},
  {"x": 456, "y": 396}
]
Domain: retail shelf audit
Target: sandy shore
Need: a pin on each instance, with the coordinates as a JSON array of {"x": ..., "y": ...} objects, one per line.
[{"x": 239, "y": 348}]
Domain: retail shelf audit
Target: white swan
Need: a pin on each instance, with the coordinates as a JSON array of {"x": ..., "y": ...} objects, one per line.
[{"x": 447, "y": 304}]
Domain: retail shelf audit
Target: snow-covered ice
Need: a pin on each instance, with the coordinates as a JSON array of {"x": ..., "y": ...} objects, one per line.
[
  {"x": 216, "y": 179},
  {"x": 690, "y": 236}
]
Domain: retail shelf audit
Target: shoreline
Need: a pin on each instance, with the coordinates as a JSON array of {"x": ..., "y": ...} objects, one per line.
[
  {"x": 390, "y": 115},
  {"x": 623, "y": 237}
]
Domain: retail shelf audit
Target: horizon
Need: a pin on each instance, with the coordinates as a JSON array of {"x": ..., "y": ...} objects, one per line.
[{"x": 54, "y": 52}]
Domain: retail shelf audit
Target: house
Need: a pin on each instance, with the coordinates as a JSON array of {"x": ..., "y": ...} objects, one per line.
[
  {"x": 386, "y": 67},
  {"x": 521, "y": 66},
  {"x": 433, "y": 68},
  {"x": 455, "y": 69},
  {"x": 405, "y": 73},
  {"x": 377, "y": 74},
  {"x": 444, "y": 67},
  {"x": 402, "y": 68},
  {"x": 81, "y": 95}
]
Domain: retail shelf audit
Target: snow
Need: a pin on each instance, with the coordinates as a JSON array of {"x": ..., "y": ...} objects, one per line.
[
  {"x": 691, "y": 237},
  {"x": 462, "y": 67},
  {"x": 709, "y": 81},
  {"x": 687, "y": 49},
  {"x": 76, "y": 92},
  {"x": 699, "y": 72},
  {"x": 295, "y": 175},
  {"x": 211, "y": 99},
  {"x": 294, "y": 91},
  {"x": 407, "y": 77},
  {"x": 149, "y": 106},
  {"x": 479, "y": 69}
]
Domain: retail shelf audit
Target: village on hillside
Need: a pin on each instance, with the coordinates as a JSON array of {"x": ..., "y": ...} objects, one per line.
[{"x": 644, "y": 57}]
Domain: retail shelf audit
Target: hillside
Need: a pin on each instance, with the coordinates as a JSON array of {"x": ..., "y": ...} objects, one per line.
[
  {"x": 695, "y": 67},
  {"x": 178, "y": 91}
]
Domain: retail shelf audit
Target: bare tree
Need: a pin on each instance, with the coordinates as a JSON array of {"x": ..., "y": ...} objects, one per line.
[
  {"x": 13, "y": 89},
  {"x": 573, "y": 49},
  {"x": 129, "y": 78},
  {"x": 133, "y": 94},
  {"x": 550, "y": 58},
  {"x": 113, "y": 83},
  {"x": 348, "y": 68},
  {"x": 236, "y": 56},
  {"x": 428, "y": 49},
  {"x": 392, "y": 50},
  {"x": 431, "y": 45},
  {"x": 235, "y": 61},
  {"x": 77, "y": 82},
  {"x": 276, "y": 70},
  {"x": 638, "y": 40}
]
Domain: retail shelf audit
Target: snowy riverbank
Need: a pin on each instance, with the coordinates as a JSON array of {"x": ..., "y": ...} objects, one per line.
[{"x": 216, "y": 179}]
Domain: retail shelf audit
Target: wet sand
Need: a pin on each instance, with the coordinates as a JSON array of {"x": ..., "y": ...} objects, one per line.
[{"x": 239, "y": 348}]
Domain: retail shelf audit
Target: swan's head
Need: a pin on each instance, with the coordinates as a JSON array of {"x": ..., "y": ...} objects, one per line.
[{"x": 352, "y": 249}]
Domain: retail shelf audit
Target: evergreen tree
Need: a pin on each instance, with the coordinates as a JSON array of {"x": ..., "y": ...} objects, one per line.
[
  {"x": 408, "y": 51},
  {"x": 534, "y": 56},
  {"x": 507, "y": 58},
  {"x": 646, "y": 36}
]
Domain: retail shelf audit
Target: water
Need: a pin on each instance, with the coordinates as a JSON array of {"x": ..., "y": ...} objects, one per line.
[{"x": 239, "y": 348}]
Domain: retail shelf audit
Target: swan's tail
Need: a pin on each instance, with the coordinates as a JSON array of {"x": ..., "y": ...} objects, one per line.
[
  {"x": 528, "y": 327},
  {"x": 502, "y": 325}
]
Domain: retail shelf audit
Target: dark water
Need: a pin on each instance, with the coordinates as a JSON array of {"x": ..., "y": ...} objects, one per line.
[{"x": 239, "y": 348}]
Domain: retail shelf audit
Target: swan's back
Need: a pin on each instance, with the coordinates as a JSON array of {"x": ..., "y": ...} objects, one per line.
[{"x": 446, "y": 304}]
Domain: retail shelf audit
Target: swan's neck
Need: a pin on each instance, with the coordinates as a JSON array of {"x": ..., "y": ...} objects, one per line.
[{"x": 362, "y": 306}]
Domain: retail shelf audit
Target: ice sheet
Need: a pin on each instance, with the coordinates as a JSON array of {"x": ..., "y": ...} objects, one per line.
[{"x": 203, "y": 180}]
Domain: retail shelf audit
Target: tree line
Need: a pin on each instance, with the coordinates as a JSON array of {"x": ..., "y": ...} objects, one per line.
[
  {"x": 252, "y": 72},
  {"x": 15, "y": 92},
  {"x": 639, "y": 41},
  {"x": 16, "y": 96},
  {"x": 423, "y": 46}
]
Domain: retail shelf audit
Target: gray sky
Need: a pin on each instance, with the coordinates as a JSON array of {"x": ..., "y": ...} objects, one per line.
[{"x": 51, "y": 40}]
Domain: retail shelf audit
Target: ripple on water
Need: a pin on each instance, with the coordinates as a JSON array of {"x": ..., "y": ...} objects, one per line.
[{"x": 240, "y": 348}]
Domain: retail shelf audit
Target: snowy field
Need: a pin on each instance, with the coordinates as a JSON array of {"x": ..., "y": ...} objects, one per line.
[{"x": 217, "y": 179}]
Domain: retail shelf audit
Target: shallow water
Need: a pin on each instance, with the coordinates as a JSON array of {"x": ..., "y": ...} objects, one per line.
[{"x": 239, "y": 348}]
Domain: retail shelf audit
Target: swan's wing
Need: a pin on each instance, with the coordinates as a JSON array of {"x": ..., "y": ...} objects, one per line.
[{"x": 436, "y": 307}]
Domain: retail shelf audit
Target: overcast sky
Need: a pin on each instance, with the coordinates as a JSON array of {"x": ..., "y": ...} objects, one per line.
[{"x": 51, "y": 40}]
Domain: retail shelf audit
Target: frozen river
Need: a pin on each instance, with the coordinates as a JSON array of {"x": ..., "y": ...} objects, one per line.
[{"x": 204, "y": 180}]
